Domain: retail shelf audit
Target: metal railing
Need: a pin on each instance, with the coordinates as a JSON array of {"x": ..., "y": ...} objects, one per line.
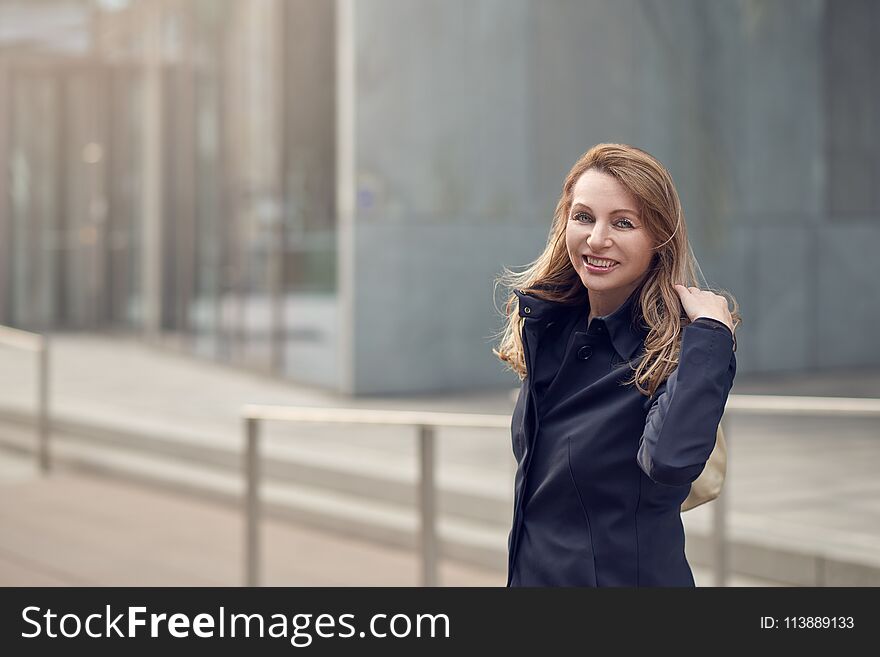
[
  {"x": 35, "y": 342},
  {"x": 427, "y": 422},
  {"x": 424, "y": 422},
  {"x": 776, "y": 405}
]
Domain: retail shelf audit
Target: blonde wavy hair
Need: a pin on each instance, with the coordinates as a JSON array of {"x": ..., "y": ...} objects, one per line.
[{"x": 552, "y": 277}]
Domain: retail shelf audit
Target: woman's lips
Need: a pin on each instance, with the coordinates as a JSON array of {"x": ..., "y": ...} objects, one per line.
[{"x": 598, "y": 270}]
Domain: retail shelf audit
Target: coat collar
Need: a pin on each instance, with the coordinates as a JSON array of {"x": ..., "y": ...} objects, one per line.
[{"x": 624, "y": 326}]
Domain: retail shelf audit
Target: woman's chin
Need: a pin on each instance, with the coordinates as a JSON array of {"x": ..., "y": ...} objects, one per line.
[{"x": 601, "y": 282}]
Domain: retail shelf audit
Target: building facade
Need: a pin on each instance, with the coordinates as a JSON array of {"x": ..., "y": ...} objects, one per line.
[{"x": 326, "y": 189}]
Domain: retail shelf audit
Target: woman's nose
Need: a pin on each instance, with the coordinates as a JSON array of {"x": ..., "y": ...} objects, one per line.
[{"x": 597, "y": 238}]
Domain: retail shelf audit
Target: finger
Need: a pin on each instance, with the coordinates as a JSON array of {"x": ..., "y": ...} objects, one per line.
[{"x": 694, "y": 289}]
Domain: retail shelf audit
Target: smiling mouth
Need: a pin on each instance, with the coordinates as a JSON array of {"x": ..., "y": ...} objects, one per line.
[{"x": 599, "y": 268}]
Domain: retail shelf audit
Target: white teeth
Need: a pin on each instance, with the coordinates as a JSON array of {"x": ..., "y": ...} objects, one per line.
[{"x": 600, "y": 263}]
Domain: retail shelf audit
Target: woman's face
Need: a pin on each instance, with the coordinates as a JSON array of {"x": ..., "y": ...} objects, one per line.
[{"x": 603, "y": 224}]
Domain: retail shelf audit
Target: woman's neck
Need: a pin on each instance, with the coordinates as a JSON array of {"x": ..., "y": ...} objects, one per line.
[{"x": 606, "y": 302}]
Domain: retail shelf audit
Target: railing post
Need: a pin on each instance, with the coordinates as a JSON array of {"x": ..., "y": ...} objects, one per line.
[
  {"x": 427, "y": 502},
  {"x": 252, "y": 503},
  {"x": 43, "y": 404},
  {"x": 720, "y": 564}
]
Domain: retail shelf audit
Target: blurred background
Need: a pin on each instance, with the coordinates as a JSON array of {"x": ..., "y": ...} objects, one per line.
[{"x": 212, "y": 203}]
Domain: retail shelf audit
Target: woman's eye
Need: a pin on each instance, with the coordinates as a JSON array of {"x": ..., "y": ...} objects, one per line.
[{"x": 581, "y": 217}]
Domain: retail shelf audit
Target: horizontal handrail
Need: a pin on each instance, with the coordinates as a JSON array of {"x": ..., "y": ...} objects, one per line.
[
  {"x": 374, "y": 416},
  {"x": 742, "y": 403},
  {"x": 788, "y": 405},
  {"x": 13, "y": 337},
  {"x": 38, "y": 343},
  {"x": 427, "y": 421}
]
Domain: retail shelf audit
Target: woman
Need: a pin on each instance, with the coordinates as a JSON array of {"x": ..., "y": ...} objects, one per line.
[{"x": 605, "y": 460}]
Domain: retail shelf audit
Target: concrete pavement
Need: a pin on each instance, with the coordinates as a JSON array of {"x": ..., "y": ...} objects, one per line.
[
  {"x": 802, "y": 483},
  {"x": 74, "y": 530}
]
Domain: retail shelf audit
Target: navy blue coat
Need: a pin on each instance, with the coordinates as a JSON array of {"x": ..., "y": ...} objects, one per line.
[{"x": 602, "y": 470}]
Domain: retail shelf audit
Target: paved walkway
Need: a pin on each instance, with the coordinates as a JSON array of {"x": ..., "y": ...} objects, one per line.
[
  {"x": 808, "y": 481},
  {"x": 73, "y": 530}
]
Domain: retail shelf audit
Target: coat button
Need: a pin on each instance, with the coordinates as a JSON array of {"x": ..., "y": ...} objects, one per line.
[
  {"x": 527, "y": 310},
  {"x": 585, "y": 352}
]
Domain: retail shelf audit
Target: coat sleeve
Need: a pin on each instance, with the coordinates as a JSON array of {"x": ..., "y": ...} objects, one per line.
[{"x": 683, "y": 419}]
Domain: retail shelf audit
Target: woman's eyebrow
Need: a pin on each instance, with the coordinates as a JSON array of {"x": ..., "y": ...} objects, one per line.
[{"x": 587, "y": 207}]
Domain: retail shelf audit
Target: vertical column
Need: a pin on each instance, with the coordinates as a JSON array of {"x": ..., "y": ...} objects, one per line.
[
  {"x": 345, "y": 187},
  {"x": 5, "y": 217},
  {"x": 275, "y": 17},
  {"x": 151, "y": 167},
  {"x": 184, "y": 203}
]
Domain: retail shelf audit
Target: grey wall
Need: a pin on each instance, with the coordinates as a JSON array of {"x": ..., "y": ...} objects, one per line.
[{"x": 467, "y": 116}]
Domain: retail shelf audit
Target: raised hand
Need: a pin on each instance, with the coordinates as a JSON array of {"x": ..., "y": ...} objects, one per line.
[{"x": 703, "y": 303}]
